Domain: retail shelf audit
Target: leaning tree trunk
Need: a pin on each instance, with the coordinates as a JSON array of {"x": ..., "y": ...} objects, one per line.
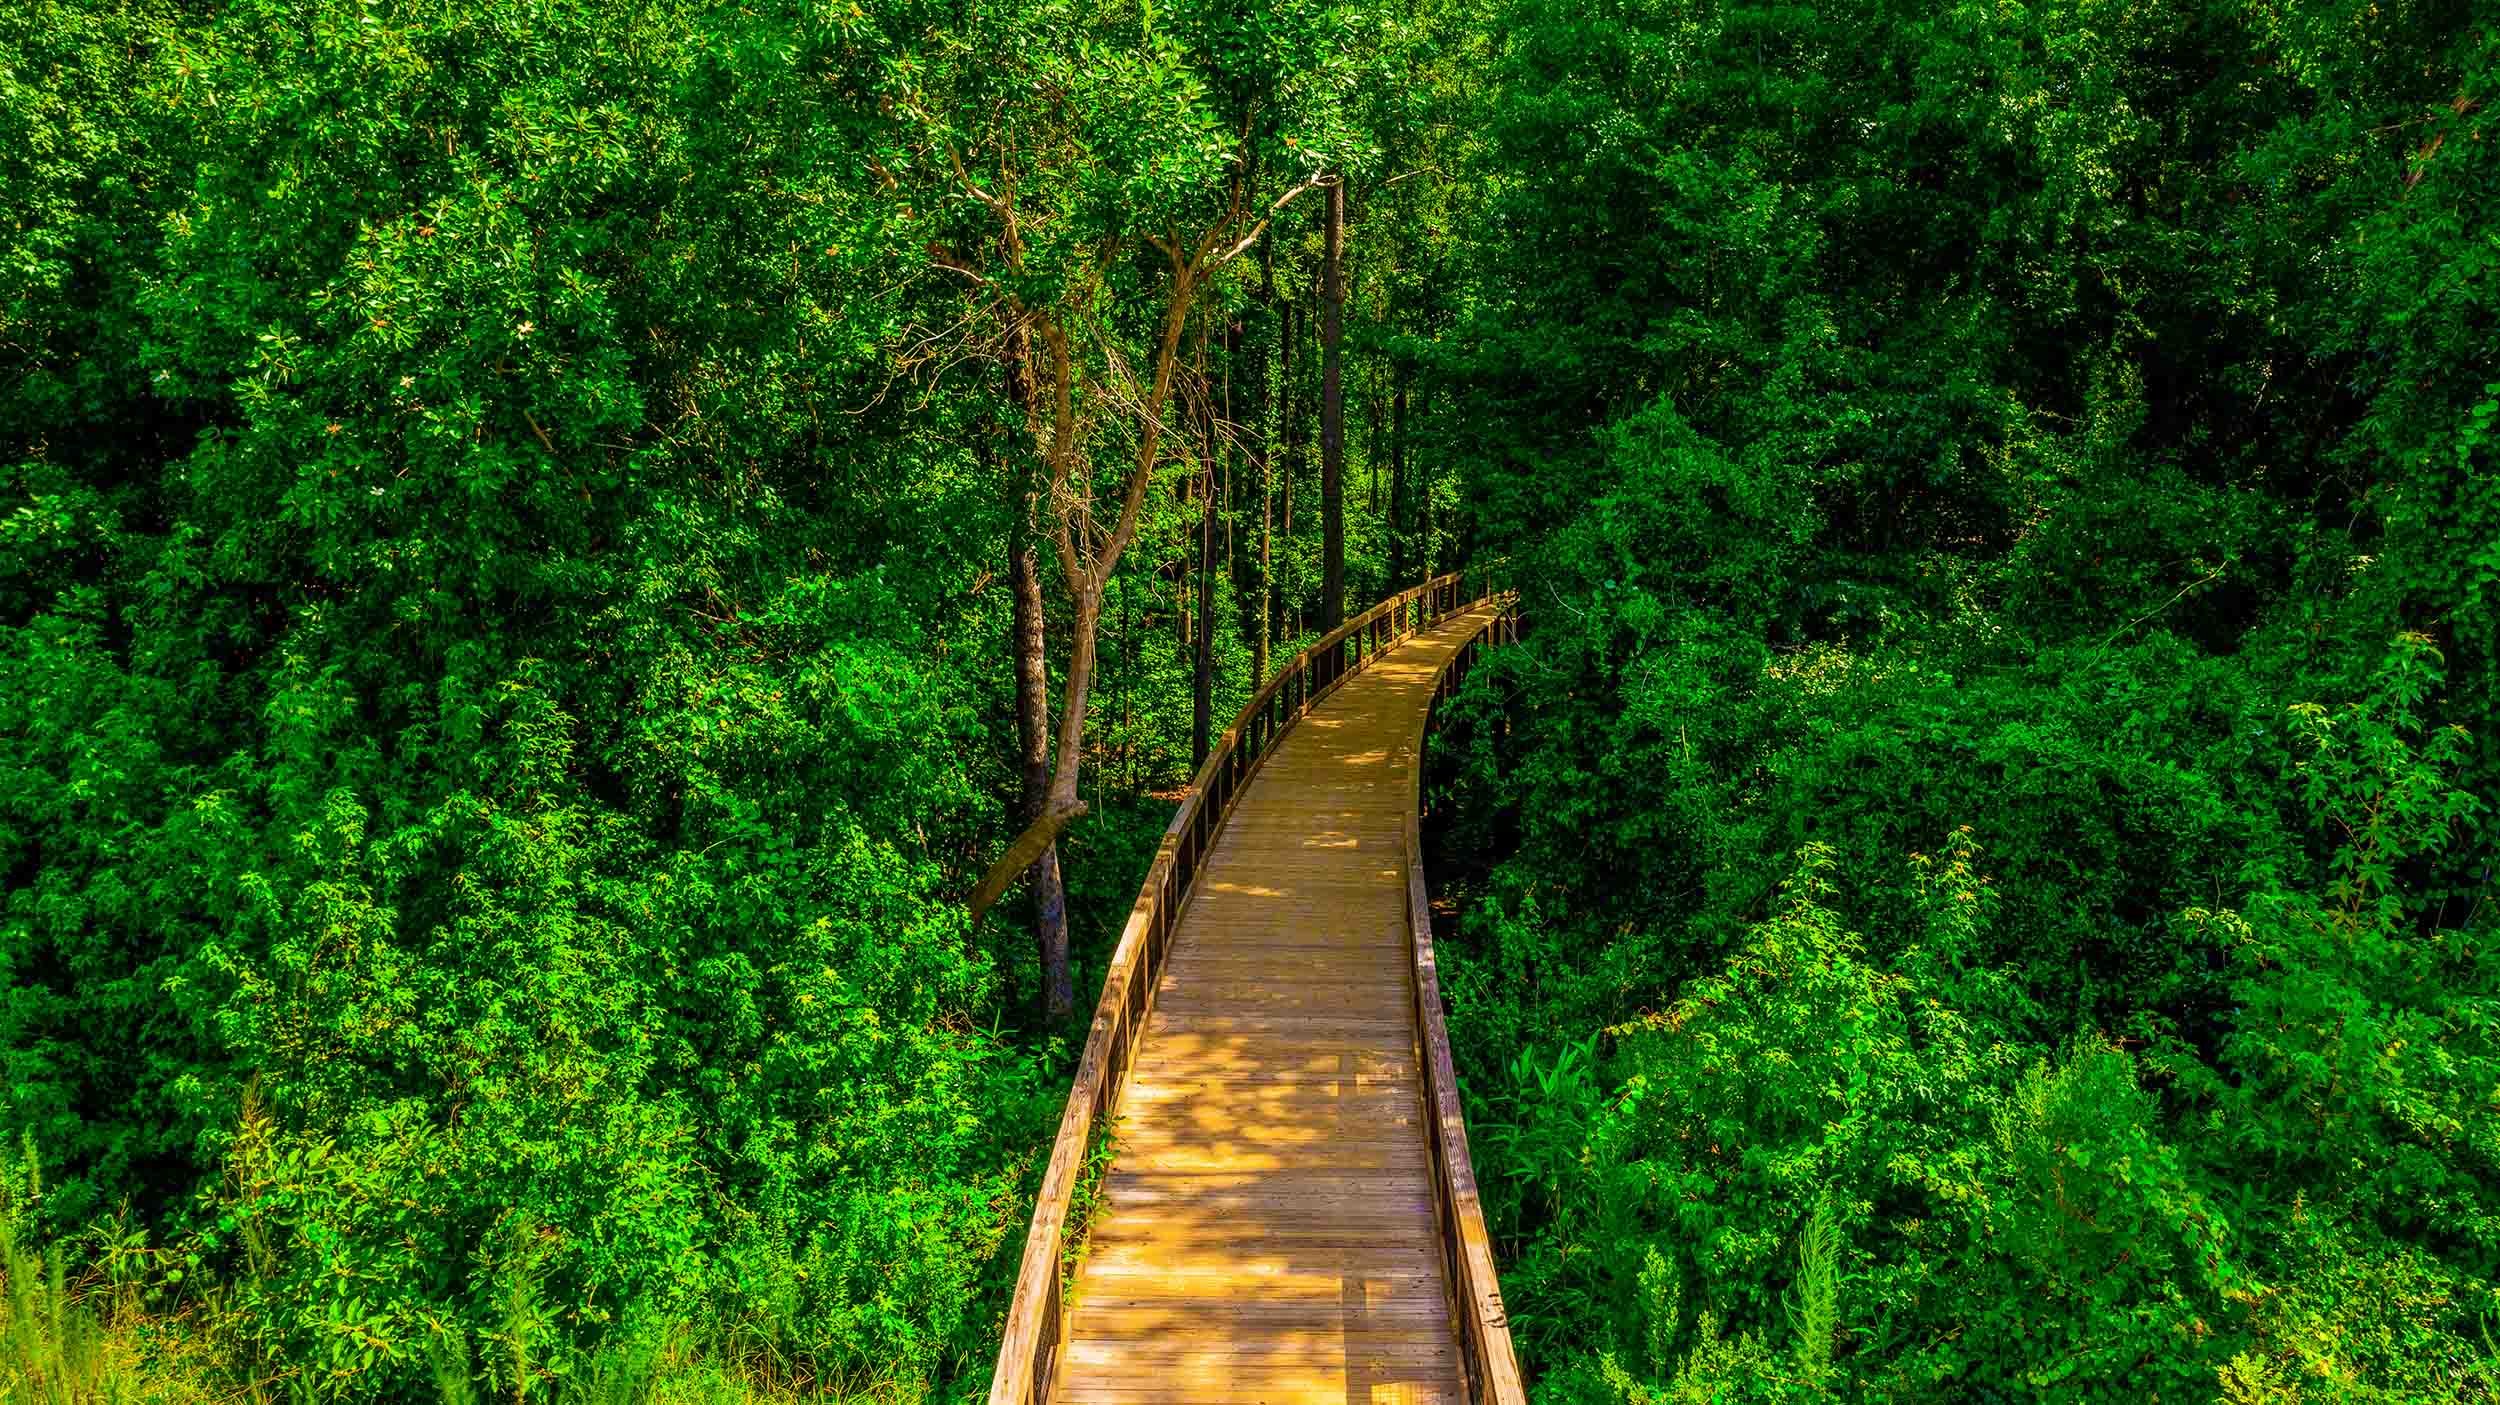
[{"x": 1332, "y": 412}]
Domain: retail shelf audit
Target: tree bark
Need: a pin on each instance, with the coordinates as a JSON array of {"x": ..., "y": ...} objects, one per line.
[
  {"x": 1087, "y": 573},
  {"x": 1398, "y": 513},
  {"x": 1224, "y": 421},
  {"x": 1332, "y": 411},
  {"x": 1185, "y": 625},
  {"x": 1202, "y": 673},
  {"x": 1087, "y": 568},
  {"x": 1267, "y": 581},
  {"x": 1024, "y": 577},
  {"x": 1202, "y": 689},
  {"x": 1373, "y": 414},
  {"x": 1423, "y": 515},
  {"x": 1128, "y": 672},
  {"x": 1289, "y": 601},
  {"x": 1262, "y": 458}
]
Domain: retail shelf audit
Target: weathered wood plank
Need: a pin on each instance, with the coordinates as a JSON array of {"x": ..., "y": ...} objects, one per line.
[{"x": 1417, "y": 1306}]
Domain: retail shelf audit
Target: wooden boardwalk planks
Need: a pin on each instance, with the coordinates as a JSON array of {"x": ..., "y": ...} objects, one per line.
[{"x": 1266, "y": 1232}]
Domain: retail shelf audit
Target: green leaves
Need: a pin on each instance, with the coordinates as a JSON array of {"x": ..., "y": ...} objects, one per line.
[
  {"x": 1840, "y": 1153},
  {"x": 483, "y": 729},
  {"x": 499, "y": 669},
  {"x": 1960, "y": 435}
]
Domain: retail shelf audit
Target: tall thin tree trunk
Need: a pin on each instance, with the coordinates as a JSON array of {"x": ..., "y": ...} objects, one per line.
[
  {"x": 1373, "y": 415},
  {"x": 1423, "y": 511},
  {"x": 1128, "y": 709},
  {"x": 1050, "y": 896},
  {"x": 1202, "y": 691},
  {"x": 1332, "y": 411},
  {"x": 1398, "y": 513},
  {"x": 1202, "y": 683},
  {"x": 1267, "y": 579},
  {"x": 1289, "y": 604},
  {"x": 1262, "y": 451},
  {"x": 1224, "y": 460},
  {"x": 1024, "y": 576}
]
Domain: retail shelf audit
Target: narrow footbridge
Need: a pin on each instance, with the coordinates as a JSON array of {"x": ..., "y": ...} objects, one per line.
[{"x": 1260, "y": 1190}]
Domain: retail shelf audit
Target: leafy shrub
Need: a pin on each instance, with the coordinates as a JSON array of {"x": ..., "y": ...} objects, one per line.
[{"x": 1999, "y": 756}]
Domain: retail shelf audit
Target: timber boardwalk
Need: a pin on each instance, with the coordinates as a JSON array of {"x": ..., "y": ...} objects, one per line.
[
  {"x": 1286, "y": 1214},
  {"x": 1267, "y": 1230}
]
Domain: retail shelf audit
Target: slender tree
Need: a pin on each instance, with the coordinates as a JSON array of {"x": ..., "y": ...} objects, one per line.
[
  {"x": 1375, "y": 417},
  {"x": 1261, "y": 455},
  {"x": 1398, "y": 513},
  {"x": 1202, "y": 681},
  {"x": 1332, "y": 411},
  {"x": 1423, "y": 505},
  {"x": 1089, "y": 546},
  {"x": 1094, "y": 285},
  {"x": 1024, "y": 582},
  {"x": 1290, "y": 413}
]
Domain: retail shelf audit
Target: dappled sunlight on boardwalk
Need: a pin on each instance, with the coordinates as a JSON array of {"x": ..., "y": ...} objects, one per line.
[{"x": 1267, "y": 1232}]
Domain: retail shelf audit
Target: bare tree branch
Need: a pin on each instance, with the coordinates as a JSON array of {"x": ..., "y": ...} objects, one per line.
[{"x": 1243, "y": 246}]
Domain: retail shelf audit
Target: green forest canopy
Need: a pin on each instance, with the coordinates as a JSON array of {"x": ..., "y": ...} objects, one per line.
[{"x": 1978, "y": 881}]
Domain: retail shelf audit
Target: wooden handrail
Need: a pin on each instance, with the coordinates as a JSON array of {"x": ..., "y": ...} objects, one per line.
[
  {"x": 1037, "y": 1329},
  {"x": 1466, "y": 1248}
]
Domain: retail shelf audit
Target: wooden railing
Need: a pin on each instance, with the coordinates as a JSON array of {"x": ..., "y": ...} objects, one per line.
[
  {"x": 1466, "y": 1248},
  {"x": 1037, "y": 1326}
]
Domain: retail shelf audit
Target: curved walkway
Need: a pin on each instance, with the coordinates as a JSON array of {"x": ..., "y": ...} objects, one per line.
[{"x": 1267, "y": 1231}]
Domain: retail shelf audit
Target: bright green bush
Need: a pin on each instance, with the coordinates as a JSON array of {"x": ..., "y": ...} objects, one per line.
[
  {"x": 1999, "y": 780},
  {"x": 492, "y": 730}
]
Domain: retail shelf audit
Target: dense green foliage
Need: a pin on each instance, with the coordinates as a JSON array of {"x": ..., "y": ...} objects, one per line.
[
  {"x": 502, "y": 664},
  {"x": 492, "y": 775},
  {"x": 1980, "y": 873},
  {"x": 1998, "y": 797}
]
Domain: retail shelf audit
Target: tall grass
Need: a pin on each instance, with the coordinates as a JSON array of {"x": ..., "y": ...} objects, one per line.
[
  {"x": 77, "y": 1327},
  {"x": 83, "y": 1338}
]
